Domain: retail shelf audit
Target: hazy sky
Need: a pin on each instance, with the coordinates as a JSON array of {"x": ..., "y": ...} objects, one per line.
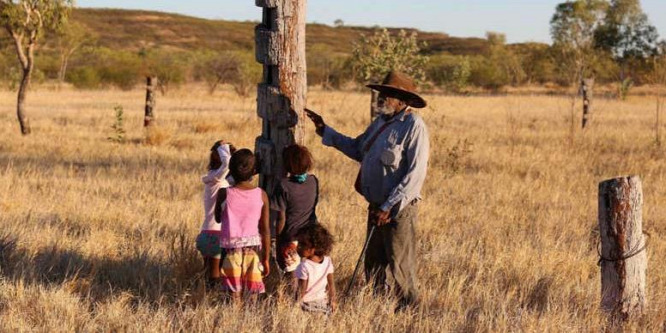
[{"x": 521, "y": 20}]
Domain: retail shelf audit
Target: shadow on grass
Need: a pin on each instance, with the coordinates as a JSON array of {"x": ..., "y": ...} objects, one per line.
[{"x": 149, "y": 280}]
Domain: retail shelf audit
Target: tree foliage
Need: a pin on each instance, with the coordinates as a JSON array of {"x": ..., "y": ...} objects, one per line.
[
  {"x": 626, "y": 31},
  {"x": 574, "y": 23},
  {"x": 70, "y": 38},
  {"x": 573, "y": 28},
  {"x": 169, "y": 67},
  {"x": 26, "y": 21},
  {"x": 504, "y": 67},
  {"x": 325, "y": 67},
  {"x": 375, "y": 56},
  {"x": 230, "y": 67}
]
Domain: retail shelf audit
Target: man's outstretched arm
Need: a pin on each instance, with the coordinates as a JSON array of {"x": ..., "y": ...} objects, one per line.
[{"x": 330, "y": 137}]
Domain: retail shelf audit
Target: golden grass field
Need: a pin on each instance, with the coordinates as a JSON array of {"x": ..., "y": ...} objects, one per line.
[{"x": 99, "y": 236}]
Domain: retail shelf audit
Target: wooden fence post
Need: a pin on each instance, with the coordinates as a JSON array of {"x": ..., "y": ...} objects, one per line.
[
  {"x": 374, "y": 108},
  {"x": 281, "y": 97},
  {"x": 586, "y": 87},
  {"x": 151, "y": 83},
  {"x": 623, "y": 257}
]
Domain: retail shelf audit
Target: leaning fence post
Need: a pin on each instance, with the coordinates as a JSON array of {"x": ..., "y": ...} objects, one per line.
[
  {"x": 151, "y": 83},
  {"x": 623, "y": 258}
]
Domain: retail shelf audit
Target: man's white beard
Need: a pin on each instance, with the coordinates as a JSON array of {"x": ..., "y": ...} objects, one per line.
[{"x": 385, "y": 110}]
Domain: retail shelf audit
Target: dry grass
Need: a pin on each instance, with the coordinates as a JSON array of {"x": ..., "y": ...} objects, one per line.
[{"x": 98, "y": 236}]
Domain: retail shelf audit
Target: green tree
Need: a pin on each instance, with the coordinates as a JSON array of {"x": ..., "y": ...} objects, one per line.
[
  {"x": 325, "y": 67},
  {"x": 507, "y": 66},
  {"x": 460, "y": 75},
  {"x": 170, "y": 68},
  {"x": 237, "y": 68},
  {"x": 69, "y": 39},
  {"x": 627, "y": 35},
  {"x": 25, "y": 21},
  {"x": 450, "y": 72},
  {"x": 375, "y": 56},
  {"x": 122, "y": 69},
  {"x": 573, "y": 28},
  {"x": 626, "y": 31},
  {"x": 537, "y": 62}
]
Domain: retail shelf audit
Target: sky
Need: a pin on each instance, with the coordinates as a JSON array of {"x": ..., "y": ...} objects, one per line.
[{"x": 520, "y": 20}]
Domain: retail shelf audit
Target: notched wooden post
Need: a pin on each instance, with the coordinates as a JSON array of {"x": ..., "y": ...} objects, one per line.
[
  {"x": 587, "y": 87},
  {"x": 151, "y": 83},
  {"x": 623, "y": 257},
  {"x": 280, "y": 48}
]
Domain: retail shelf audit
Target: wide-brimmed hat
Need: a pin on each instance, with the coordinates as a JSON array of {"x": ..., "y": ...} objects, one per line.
[{"x": 399, "y": 85}]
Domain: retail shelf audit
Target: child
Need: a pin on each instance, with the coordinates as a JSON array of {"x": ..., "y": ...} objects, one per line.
[
  {"x": 208, "y": 241},
  {"x": 316, "y": 285},
  {"x": 295, "y": 199},
  {"x": 243, "y": 211}
]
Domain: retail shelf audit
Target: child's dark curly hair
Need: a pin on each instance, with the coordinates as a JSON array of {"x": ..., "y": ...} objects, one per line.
[
  {"x": 242, "y": 165},
  {"x": 315, "y": 236}
]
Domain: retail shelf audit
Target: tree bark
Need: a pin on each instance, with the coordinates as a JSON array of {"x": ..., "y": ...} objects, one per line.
[
  {"x": 64, "y": 63},
  {"x": 151, "y": 82},
  {"x": 24, "y": 121},
  {"x": 281, "y": 97},
  {"x": 27, "y": 63},
  {"x": 623, "y": 257}
]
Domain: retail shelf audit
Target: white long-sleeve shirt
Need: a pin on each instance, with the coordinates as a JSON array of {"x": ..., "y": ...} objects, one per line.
[{"x": 213, "y": 182}]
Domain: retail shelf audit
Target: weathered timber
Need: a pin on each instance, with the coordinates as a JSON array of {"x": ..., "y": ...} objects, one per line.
[
  {"x": 281, "y": 97},
  {"x": 374, "y": 107},
  {"x": 151, "y": 83},
  {"x": 267, "y": 46},
  {"x": 586, "y": 88},
  {"x": 267, "y": 3},
  {"x": 623, "y": 247}
]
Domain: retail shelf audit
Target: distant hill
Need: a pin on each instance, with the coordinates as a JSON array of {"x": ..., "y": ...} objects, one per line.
[{"x": 133, "y": 29}]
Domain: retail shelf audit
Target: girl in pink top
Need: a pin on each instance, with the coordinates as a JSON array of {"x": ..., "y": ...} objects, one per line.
[
  {"x": 208, "y": 241},
  {"x": 242, "y": 211}
]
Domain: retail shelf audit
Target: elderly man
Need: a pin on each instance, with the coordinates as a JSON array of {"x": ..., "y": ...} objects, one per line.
[{"x": 393, "y": 152}]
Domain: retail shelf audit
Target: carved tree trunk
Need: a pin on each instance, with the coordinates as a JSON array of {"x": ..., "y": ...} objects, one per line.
[
  {"x": 281, "y": 97},
  {"x": 151, "y": 83},
  {"x": 586, "y": 87},
  {"x": 623, "y": 257}
]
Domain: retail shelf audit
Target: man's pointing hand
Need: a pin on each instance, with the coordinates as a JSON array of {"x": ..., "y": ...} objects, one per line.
[{"x": 317, "y": 120}]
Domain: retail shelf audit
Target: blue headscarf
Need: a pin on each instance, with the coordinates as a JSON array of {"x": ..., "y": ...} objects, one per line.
[{"x": 299, "y": 178}]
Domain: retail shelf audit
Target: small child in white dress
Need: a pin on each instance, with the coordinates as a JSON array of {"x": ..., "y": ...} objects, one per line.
[{"x": 316, "y": 284}]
